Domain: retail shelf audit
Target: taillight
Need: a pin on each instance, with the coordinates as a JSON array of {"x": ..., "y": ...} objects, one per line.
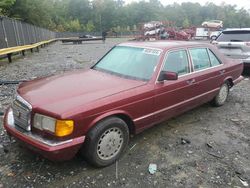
[{"x": 247, "y": 43}]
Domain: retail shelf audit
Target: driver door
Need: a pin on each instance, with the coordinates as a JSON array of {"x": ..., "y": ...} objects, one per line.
[{"x": 171, "y": 97}]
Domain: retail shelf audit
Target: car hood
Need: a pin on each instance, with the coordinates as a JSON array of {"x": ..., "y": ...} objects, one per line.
[{"x": 57, "y": 94}]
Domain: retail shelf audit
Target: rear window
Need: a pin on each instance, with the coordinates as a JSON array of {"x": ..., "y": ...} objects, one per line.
[{"x": 234, "y": 36}]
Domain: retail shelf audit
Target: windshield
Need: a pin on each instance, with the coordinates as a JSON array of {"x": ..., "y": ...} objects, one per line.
[
  {"x": 130, "y": 62},
  {"x": 234, "y": 36}
]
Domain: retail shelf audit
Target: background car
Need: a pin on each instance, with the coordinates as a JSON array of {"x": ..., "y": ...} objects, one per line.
[
  {"x": 152, "y": 32},
  {"x": 87, "y": 36},
  {"x": 214, "y": 34},
  {"x": 152, "y": 28},
  {"x": 213, "y": 23},
  {"x": 235, "y": 43}
]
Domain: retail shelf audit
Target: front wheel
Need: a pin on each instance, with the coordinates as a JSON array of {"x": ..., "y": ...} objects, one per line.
[
  {"x": 221, "y": 97},
  {"x": 106, "y": 142}
]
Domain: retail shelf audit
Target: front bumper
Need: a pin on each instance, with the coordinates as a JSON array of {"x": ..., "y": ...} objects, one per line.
[{"x": 53, "y": 150}]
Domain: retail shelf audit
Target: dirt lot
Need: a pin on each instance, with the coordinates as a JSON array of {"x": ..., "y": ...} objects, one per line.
[{"x": 205, "y": 147}]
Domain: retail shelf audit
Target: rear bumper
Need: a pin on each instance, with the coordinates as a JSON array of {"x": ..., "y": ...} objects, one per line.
[
  {"x": 53, "y": 150},
  {"x": 236, "y": 81}
]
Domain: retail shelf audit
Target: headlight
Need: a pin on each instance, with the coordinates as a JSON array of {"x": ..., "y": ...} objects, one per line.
[
  {"x": 44, "y": 122},
  {"x": 58, "y": 127}
]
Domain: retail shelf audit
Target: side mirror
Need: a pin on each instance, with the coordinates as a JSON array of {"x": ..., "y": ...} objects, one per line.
[{"x": 166, "y": 75}]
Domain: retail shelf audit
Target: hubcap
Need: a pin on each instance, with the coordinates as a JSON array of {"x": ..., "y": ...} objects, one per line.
[
  {"x": 110, "y": 143},
  {"x": 223, "y": 94}
]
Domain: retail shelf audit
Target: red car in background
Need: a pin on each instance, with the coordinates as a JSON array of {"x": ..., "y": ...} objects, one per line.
[
  {"x": 134, "y": 86},
  {"x": 178, "y": 35}
]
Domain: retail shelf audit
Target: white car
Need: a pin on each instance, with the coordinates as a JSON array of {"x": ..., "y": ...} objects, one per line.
[
  {"x": 213, "y": 23},
  {"x": 152, "y": 28},
  {"x": 152, "y": 25},
  {"x": 235, "y": 43},
  {"x": 152, "y": 32},
  {"x": 214, "y": 34}
]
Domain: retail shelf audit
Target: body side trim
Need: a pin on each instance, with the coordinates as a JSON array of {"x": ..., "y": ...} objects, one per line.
[{"x": 173, "y": 106}]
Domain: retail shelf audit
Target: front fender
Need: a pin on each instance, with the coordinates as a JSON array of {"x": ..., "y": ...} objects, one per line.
[{"x": 108, "y": 114}]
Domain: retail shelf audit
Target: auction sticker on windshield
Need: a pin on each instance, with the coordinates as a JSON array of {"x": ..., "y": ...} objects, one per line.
[{"x": 152, "y": 52}]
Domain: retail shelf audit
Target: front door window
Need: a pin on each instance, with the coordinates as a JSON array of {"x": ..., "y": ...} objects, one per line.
[{"x": 177, "y": 61}]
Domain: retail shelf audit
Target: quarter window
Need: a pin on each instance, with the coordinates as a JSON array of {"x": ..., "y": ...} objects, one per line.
[
  {"x": 177, "y": 61},
  {"x": 200, "y": 58},
  {"x": 214, "y": 60}
]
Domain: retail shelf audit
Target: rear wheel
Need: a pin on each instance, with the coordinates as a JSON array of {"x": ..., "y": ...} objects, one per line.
[
  {"x": 221, "y": 97},
  {"x": 106, "y": 142}
]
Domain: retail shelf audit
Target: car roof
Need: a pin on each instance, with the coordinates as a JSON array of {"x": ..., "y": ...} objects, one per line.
[
  {"x": 237, "y": 29},
  {"x": 164, "y": 45}
]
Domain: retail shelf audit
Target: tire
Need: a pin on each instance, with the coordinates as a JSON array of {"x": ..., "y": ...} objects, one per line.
[
  {"x": 106, "y": 142},
  {"x": 221, "y": 97}
]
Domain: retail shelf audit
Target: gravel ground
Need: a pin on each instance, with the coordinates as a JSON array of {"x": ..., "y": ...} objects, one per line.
[{"x": 205, "y": 147}]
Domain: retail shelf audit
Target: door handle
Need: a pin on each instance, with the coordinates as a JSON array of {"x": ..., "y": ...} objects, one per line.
[
  {"x": 191, "y": 81},
  {"x": 222, "y": 72}
]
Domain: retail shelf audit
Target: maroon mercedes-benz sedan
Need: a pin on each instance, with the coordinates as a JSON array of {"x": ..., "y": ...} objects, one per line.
[{"x": 134, "y": 86}]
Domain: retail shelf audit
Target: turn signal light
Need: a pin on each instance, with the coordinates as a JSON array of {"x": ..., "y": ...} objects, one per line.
[{"x": 64, "y": 127}]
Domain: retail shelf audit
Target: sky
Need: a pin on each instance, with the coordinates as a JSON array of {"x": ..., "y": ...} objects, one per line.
[{"x": 239, "y": 3}]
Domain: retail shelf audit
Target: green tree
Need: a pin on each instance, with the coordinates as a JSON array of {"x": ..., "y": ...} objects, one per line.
[
  {"x": 32, "y": 11},
  {"x": 100, "y": 15},
  {"x": 74, "y": 25},
  {"x": 5, "y": 5},
  {"x": 79, "y": 9},
  {"x": 89, "y": 26},
  {"x": 105, "y": 14},
  {"x": 185, "y": 23}
]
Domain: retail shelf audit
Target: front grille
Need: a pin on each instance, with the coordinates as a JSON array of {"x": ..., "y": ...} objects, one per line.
[{"x": 21, "y": 114}]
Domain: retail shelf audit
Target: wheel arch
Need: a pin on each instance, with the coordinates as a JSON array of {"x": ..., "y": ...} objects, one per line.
[
  {"x": 120, "y": 114},
  {"x": 229, "y": 81}
]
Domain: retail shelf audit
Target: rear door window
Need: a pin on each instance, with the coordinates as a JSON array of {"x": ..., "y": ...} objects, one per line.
[
  {"x": 234, "y": 36},
  {"x": 200, "y": 58},
  {"x": 177, "y": 61}
]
